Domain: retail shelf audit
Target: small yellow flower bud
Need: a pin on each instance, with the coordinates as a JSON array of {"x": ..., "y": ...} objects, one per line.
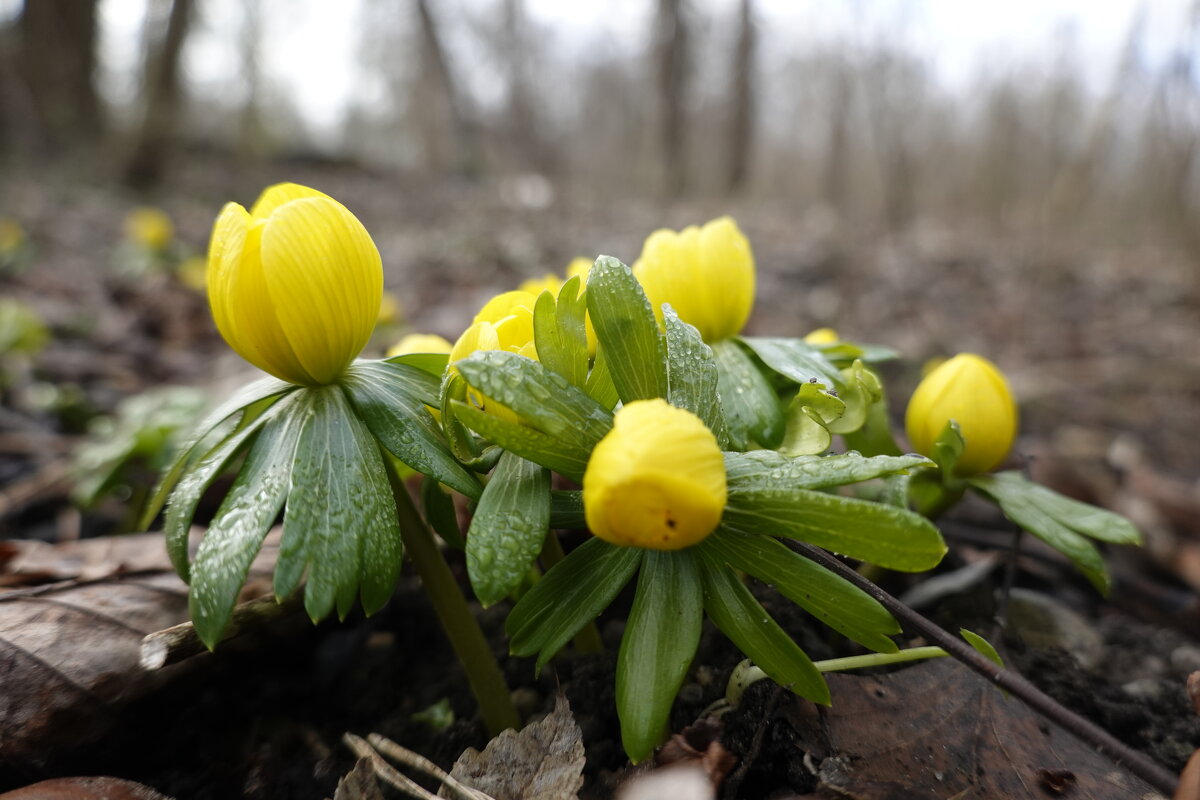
[
  {"x": 706, "y": 274},
  {"x": 657, "y": 480},
  {"x": 390, "y": 310},
  {"x": 822, "y": 336},
  {"x": 419, "y": 343},
  {"x": 294, "y": 284},
  {"x": 971, "y": 391},
  {"x": 150, "y": 228}
]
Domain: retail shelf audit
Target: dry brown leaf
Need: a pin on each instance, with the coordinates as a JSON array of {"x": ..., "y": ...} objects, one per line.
[
  {"x": 542, "y": 762},
  {"x": 938, "y": 730},
  {"x": 1189, "y": 780},
  {"x": 69, "y": 652},
  {"x": 359, "y": 783},
  {"x": 101, "y": 788}
]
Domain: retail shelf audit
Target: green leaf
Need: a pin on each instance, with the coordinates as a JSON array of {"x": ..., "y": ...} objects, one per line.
[
  {"x": 846, "y": 352},
  {"x": 564, "y": 457},
  {"x": 190, "y": 488},
  {"x": 391, "y": 400},
  {"x": 566, "y": 509},
  {"x": 692, "y": 375},
  {"x": 508, "y": 528},
  {"x": 600, "y": 386},
  {"x": 660, "y": 640},
  {"x": 862, "y": 390},
  {"x": 748, "y": 625},
  {"x": 809, "y": 420},
  {"x": 570, "y": 595},
  {"x": 794, "y": 359},
  {"x": 1096, "y": 523},
  {"x": 237, "y": 531},
  {"x": 833, "y": 600},
  {"x": 438, "y": 508},
  {"x": 433, "y": 363},
  {"x": 982, "y": 646},
  {"x": 948, "y": 448},
  {"x": 249, "y": 395},
  {"x": 752, "y": 410},
  {"x": 462, "y": 442},
  {"x": 560, "y": 333},
  {"x": 1020, "y": 505},
  {"x": 891, "y": 537},
  {"x": 874, "y": 438},
  {"x": 544, "y": 400},
  {"x": 627, "y": 331},
  {"x": 340, "y": 521},
  {"x": 767, "y": 469}
]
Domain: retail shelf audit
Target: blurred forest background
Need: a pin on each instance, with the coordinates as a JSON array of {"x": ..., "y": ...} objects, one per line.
[{"x": 1036, "y": 199}]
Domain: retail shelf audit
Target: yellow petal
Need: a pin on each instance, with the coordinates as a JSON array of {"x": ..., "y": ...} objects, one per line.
[
  {"x": 547, "y": 283},
  {"x": 505, "y": 305},
  {"x": 420, "y": 343},
  {"x": 657, "y": 480},
  {"x": 971, "y": 391},
  {"x": 237, "y": 295},
  {"x": 480, "y": 336},
  {"x": 280, "y": 194},
  {"x": 325, "y": 280},
  {"x": 149, "y": 227}
]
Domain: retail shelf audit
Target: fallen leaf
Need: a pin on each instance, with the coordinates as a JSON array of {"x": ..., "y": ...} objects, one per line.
[
  {"x": 69, "y": 651},
  {"x": 939, "y": 730},
  {"x": 676, "y": 783},
  {"x": 699, "y": 745},
  {"x": 359, "y": 783},
  {"x": 542, "y": 762},
  {"x": 101, "y": 788}
]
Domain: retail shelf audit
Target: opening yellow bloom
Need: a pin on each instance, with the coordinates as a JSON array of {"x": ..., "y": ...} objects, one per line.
[
  {"x": 706, "y": 274},
  {"x": 657, "y": 480},
  {"x": 149, "y": 227},
  {"x": 504, "y": 323},
  {"x": 294, "y": 284},
  {"x": 971, "y": 391}
]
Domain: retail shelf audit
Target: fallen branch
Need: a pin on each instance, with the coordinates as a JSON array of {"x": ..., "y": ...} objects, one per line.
[
  {"x": 180, "y": 642},
  {"x": 1100, "y": 739}
]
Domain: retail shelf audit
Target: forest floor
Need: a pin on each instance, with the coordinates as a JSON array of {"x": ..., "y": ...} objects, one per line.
[{"x": 1098, "y": 343}]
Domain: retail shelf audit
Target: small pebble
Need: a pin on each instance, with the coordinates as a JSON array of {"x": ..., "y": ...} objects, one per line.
[
  {"x": 1185, "y": 658},
  {"x": 1143, "y": 688}
]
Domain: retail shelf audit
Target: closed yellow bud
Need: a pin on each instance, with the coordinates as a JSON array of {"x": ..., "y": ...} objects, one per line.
[
  {"x": 657, "y": 480},
  {"x": 706, "y": 274},
  {"x": 149, "y": 227},
  {"x": 971, "y": 391},
  {"x": 419, "y": 343},
  {"x": 822, "y": 336},
  {"x": 294, "y": 284}
]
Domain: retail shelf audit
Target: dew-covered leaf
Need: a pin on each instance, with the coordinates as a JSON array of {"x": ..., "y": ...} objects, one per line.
[
  {"x": 564, "y": 457},
  {"x": 692, "y": 375},
  {"x": 794, "y": 359},
  {"x": 508, "y": 528},
  {"x": 769, "y": 469},
  {"x": 752, "y": 410},
  {"x": 560, "y": 332},
  {"x": 627, "y": 331}
]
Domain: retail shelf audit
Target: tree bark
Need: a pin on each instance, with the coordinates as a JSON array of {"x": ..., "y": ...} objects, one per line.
[
  {"x": 742, "y": 103},
  {"x": 672, "y": 38}
]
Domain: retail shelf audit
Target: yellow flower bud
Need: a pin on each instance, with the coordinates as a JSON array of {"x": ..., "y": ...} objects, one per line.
[
  {"x": 150, "y": 228},
  {"x": 822, "y": 336},
  {"x": 12, "y": 236},
  {"x": 706, "y": 274},
  {"x": 657, "y": 480},
  {"x": 390, "y": 310},
  {"x": 504, "y": 323},
  {"x": 971, "y": 391},
  {"x": 419, "y": 343},
  {"x": 193, "y": 272},
  {"x": 294, "y": 284}
]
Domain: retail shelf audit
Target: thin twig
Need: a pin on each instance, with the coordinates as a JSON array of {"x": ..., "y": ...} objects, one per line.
[
  {"x": 180, "y": 642},
  {"x": 1100, "y": 739},
  {"x": 384, "y": 770},
  {"x": 408, "y": 758}
]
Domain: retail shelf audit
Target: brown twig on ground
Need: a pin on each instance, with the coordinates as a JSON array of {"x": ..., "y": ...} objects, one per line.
[
  {"x": 180, "y": 642},
  {"x": 1104, "y": 742}
]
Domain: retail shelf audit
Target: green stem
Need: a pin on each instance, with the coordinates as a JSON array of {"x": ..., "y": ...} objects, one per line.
[
  {"x": 588, "y": 639},
  {"x": 466, "y": 637},
  {"x": 879, "y": 659}
]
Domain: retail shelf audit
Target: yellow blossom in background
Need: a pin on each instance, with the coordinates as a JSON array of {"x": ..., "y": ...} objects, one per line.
[
  {"x": 657, "y": 480},
  {"x": 705, "y": 273},
  {"x": 419, "y": 343},
  {"x": 822, "y": 336},
  {"x": 150, "y": 228},
  {"x": 547, "y": 283},
  {"x": 12, "y": 236},
  {"x": 294, "y": 284},
  {"x": 193, "y": 272},
  {"x": 971, "y": 391},
  {"x": 390, "y": 310}
]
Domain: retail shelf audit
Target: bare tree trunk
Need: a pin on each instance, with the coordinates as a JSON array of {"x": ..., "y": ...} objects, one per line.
[
  {"x": 56, "y": 61},
  {"x": 672, "y": 36},
  {"x": 164, "y": 95},
  {"x": 252, "y": 134},
  {"x": 741, "y": 127},
  {"x": 435, "y": 63},
  {"x": 835, "y": 176}
]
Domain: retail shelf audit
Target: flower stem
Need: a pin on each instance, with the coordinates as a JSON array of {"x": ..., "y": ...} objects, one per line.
[
  {"x": 879, "y": 659},
  {"x": 466, "y": 637},
  {"x": 1103, "y": 741}
]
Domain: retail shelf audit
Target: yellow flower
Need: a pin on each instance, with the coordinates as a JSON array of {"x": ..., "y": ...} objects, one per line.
[
  {"x": 295, "y": 284},
  {"x": 12, "y": 236},
  {"x": 193, "y": 272},
  {"x": 706, "y": 274},
  {"x": 504, "y": 323},
  {"x": 657, "y": 480},
  {"x": 389, "y": 309},
  {"x": 149, "y": 227},
  {"x": 822, "y": 336},
  {"x": 971, "y": 391},
  {"x": 419, "y": 343}
]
